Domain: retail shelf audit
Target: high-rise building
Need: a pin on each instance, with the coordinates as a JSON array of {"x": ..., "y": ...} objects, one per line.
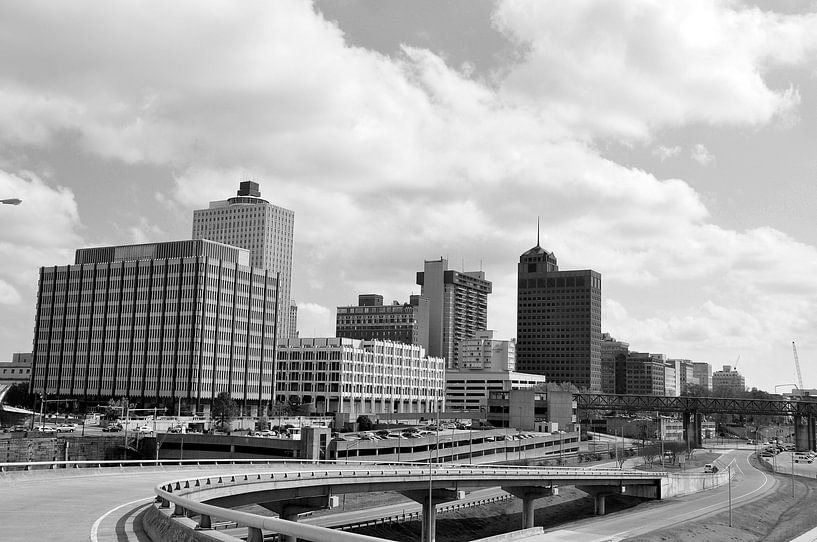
[
  {"x": 610, "y": 348},
  {"x": 370, "y": 320},
  {"x": 702, "y": 373},
  {"x": 162, "y": 324},
  {"x": 558, "y": 322},
  {"x": 641, "y": 374},
  {"x": 728, "y": 382},
  {"x": 293, "y": 319},
  {"x": 348, "y": 376},
  {"x": 458, "y": 307},
  {"x": 252, "y": 223}
]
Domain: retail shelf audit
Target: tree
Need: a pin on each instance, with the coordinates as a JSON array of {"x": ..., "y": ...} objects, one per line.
[
  {"x": 18, "y": 396},
  {"x": 364, "y": 423},
  {"x": 115, "y": 409},
  {"x": 223, "y": 411}
]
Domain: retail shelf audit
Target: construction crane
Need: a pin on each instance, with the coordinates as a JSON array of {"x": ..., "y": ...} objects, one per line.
[{"x": 797, "y": 365}]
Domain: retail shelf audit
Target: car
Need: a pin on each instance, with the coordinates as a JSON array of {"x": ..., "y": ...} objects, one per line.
[
  {"x": 112, "y": 428},
  {"x": 144, "y": 429},
  {"x": 66, "y": 428},
  {"x": 46, "y": 429},
  {"x": 175, "y": 429},
  {"x": 802, "y": 459},
  {"x": 711, "y": 469},
  {"x": 18, "y": 428}
]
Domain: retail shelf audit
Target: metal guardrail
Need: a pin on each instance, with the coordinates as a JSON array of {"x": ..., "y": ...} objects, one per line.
[{"x": 122, "y": 463}]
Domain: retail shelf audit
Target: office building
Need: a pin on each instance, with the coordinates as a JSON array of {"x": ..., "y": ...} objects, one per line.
[
  {"x": 685, "y": 374},
  {"x": 293, "y": 320},
  {"x": 16, "y": 371},
  {"x": 640, "y": 373},
  {"x": 535, "y": 409},
  {"x": 702, "y": 373},
  {"x": 354, "y": 377},
  {"x": 483, "y": 352},
  {"x": 370, "y": 320},
  {"x": 266, "y": 230},
  {"x": 610, "y": 348},
  {"x": 728, "y": 382},
  {"x": 469, "y": 389},
  {"x": 162, "y": 324},
  {"x": 458, "y": 307},
  {"x": 558, "y": 323}
]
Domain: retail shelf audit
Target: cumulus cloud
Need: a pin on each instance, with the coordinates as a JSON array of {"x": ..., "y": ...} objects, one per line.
[
  {"x": 41, "y": 231},
  {"x": 391, "y": 160},
  {"x": 701, "y": 154},
  {"x": 663, "y": 152},
  {"x": 625, "y": 68}
]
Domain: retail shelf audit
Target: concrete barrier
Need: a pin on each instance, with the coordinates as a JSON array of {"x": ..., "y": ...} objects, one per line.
[{"x": 677, "y": 485}]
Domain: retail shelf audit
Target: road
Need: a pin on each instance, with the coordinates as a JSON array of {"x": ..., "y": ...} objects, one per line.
[
  {"x": 68, "y": 505},
  {"x": 65, "y": 505},
  {"x": 751, "y": 484}
]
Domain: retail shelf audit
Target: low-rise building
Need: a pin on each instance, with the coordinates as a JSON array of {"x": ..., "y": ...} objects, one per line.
[
  {"x": 354, "y": 377},
  {"x": 530, "y": 409},
  {"x": 469, "y": 390},
  {"x": 18, "y": 370}
]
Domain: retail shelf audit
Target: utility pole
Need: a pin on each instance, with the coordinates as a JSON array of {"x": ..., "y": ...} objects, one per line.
[{"x": 729, "y": 474}]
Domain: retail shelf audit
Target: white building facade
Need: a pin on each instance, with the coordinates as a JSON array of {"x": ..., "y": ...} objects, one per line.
[
  {"x": 266, "y": 230},
  {"x": 483, "y": 352},
  {"x": 354, "y": 377}
]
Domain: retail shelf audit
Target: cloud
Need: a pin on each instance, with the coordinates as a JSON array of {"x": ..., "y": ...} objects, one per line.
[
  {"x": 701, "y": 154},
  {"x": 41, "y": 231},
  {"x": 626, "y": 68},
  {"x": 663, "y": 152},
  {"x": 387, "y": 161}
]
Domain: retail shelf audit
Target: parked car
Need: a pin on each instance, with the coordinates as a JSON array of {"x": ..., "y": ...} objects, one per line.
[
  {"x": 66, "y": 428},
  {"x": 712, "y": 469},
  {"x": 175, "y": 429},
  {"x": 46, "y": 429},
  {"x": 112, "y": 428},
  {"x": 144, "y": 429}
]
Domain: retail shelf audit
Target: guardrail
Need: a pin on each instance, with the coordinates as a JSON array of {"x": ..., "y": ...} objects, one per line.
[
  {"x": 122, "y": 463},
  {"x": 177, "y": 492}
]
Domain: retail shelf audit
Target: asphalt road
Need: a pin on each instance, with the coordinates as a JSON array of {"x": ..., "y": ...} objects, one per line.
[
  {"x": 71, "y": 505},
  {"x": 751, "y": 484},
  {"x": 65, "y": 505}
]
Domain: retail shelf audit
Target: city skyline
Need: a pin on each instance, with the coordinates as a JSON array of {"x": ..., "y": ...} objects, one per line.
[{"x": 674, "y": 160}]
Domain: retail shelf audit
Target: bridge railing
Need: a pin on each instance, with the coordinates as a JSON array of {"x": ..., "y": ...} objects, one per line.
[{"x": 179, "y": 492}]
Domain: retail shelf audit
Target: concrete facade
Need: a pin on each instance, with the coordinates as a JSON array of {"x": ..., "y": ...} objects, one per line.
[
  {"x": 458, "y": 307},
  {"x": 370, "y": 320},
  {"x": 728, "y": 381},
  {"x": 18, "y": 370},
  {"x": 265, "y": 230},
  {"x": 356, "y": 377},
  {"x": 469, "y": 390},
  {"x": 483, "y": 352},
  {"x": 159, "y": 323},
  {"x": 558, "y": 323},
  {"x": 526, "y": 409}
]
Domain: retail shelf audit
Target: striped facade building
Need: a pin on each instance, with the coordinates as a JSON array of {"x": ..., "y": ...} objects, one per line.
[
  {"x": 354, "y": 377},
  {"x": 162, "y": 324}
]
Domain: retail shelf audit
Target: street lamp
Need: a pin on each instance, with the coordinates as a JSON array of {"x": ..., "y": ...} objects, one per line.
[{"x": 11, "y": 201}]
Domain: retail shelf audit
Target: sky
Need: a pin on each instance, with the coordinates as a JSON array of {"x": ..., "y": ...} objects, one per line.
[{"x": 667, "y": 145}]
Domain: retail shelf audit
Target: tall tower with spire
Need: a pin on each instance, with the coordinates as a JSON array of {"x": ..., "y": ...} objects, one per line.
[
  {"x": 558, "y": 322},
  {"x": 266, "y": 230}
]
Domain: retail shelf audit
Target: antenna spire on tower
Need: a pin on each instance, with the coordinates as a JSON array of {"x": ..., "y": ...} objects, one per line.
[{"x": 537, "y": 231}]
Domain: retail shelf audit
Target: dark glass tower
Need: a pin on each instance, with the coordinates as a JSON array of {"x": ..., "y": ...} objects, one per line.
[{"x": 558, "y": 322}]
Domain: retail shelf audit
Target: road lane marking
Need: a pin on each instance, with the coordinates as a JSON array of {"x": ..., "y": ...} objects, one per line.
[{"x": 98, "y": 522}]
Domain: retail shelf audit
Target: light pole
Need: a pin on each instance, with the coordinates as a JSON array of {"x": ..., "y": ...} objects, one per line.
[
  {"x": 11, "y": 201},
  {"x": 729, "y": 475}
]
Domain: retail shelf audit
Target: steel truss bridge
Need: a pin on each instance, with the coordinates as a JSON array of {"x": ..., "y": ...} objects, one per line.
[{"x": 803, "y": 412}]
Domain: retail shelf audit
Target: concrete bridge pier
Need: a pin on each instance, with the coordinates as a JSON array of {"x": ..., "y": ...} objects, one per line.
[
  {"x": 528, "y": 494},
  {"x": 290, "y": 510},
  {"x": 438, "y": 496},
  {"x": 692, "y": 428}
]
